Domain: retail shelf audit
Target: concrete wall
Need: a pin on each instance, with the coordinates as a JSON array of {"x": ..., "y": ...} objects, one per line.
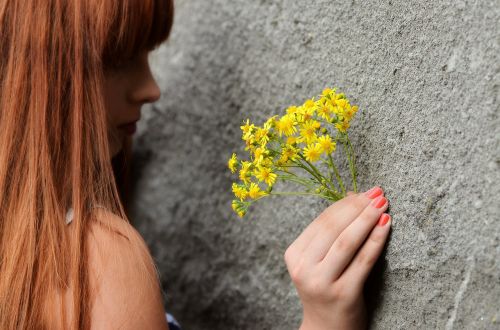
[{"x": 425, "y": 75}]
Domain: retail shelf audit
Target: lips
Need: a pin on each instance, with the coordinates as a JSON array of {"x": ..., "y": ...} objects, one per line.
[{"x": 129, "y": 128}]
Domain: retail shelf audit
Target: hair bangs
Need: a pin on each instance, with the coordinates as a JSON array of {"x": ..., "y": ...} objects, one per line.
[{"x": 138, "y": 25}]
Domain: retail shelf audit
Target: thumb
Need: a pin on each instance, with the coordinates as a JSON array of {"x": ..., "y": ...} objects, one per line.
[{"x": 349, "y": 193}]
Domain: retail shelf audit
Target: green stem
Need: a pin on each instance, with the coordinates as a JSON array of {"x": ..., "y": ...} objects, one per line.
[
  {"x": 331, "y": 187},
  {"x": 354, "y": 173},
  {"x": 321, "y": 120},
  {"x": 339, "y": 179},
  {"x": 348, "y": 154},
  {"x": 312, "y": 167},
  {"x": 296, "y": 179},
  {"x": 285, "y": 166},
  {"x": 330, "y": 174},
  {"x": 310, "y": 171},
  {"x": 294, "y": 193},
  {"x": 311, "y": 185}
]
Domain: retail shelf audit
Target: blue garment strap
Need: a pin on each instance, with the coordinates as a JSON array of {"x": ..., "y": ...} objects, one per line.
[{"x": 172, "y": 322}]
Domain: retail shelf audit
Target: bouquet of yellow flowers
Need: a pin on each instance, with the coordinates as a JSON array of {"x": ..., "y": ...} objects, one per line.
[{"x": 296, "y": 147}]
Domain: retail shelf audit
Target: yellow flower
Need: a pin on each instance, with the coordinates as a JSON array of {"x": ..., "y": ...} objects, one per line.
[
  {"x": 324, "y": 109},
  {"x": 239, "y": 191},
  {"x": 248, "y": 137},
  {"x": 247, "y": 127},
  {"x": 266, "y": 162},
  {"x": 342, "y": 126},
  {"x": 291, "y": 152},
  {"x": 239, "y": 208},
  {"x": 312, "y": 152},
  {"x": 334, "y": 96},
  {"x": 281, "y": 161},
  {"x": 245, "y": 172},
  {"x": 327, "y": 92},
  {"x": 259, "y": 154},
  {"x": 307, "y": 140},
  {"x": 337, "y": 110},
  {"x": 307, "y": 110},
  {"x": 265, "y": 174},
  {"x": 270, "y": 122},
  {"x": 232, "y": 163},
  {"x": 308, "y": 130},
  {"x": 349, "y": 111},
  {"x": 292, "y": 110},
  {"x": 255, "y": 192},
  {"x": 286, "y": 125},
  {"x": 292, "y": 140},
  {"x": 326, "y": 143},
  {"x": 248, "y": 145},
  {"x": 288, "y": 153},
  {"x": 341, "y": 103},
  {"x": 262, "y": 135},
  {"x": 234, "y": 205},
  {"x": 309, "y": 104}
]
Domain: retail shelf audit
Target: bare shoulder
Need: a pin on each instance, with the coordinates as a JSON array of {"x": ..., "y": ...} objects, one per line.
[{"x": 123, "y": 277}]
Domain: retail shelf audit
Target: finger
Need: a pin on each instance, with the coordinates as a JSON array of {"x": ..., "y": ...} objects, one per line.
[
  {"x": 358, "y": 270},
  {"x": 333, "y": 223},
  {"x": 348, "y": 242},
  {"x": 338, "y": 208},
  {"x": 349, "y": 193}
]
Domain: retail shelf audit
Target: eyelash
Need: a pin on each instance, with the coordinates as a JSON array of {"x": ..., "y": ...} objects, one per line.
[
  {"x": 121, "y": 64},
  {"x": 124, "y": 63}
]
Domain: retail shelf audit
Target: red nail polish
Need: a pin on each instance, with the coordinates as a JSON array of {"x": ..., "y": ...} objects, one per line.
[
  {"x": 379, "y": 202},
  {"x": 374, "y": 192},
  {"x": 384, "y": 219}
]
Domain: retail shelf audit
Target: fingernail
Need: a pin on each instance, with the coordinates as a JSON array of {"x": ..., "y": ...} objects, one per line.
[
  {"x": 374, "y": 192},
  {"x": 379, "y": 202},
  {"x": 384, "y": 219}
]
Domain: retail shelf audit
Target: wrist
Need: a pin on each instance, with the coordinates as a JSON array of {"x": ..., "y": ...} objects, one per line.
[{"x": 346, "y": 319}]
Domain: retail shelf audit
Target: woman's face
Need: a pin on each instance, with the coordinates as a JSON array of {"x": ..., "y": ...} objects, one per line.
[{"x": 127, "y": 88}]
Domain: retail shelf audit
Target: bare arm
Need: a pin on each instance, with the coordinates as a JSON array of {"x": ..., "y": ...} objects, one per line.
[{"x": 123, "y": 277}]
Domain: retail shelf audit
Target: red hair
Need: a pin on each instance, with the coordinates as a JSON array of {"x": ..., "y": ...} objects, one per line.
[{"x": 54, "y": 146}]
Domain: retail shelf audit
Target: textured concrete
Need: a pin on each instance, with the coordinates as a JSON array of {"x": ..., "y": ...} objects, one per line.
[{"x": 426, "y": 76}]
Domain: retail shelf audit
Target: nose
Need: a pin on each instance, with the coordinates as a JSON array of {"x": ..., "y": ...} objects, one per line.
[
  {"x": 153, "y": 93},
  {"x": 147, "y": 90}
]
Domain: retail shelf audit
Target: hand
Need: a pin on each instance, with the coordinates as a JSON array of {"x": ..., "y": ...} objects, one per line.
[{"x": 331, "y": 259}]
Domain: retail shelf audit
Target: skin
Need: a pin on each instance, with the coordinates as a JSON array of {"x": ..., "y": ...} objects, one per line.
[
  {"x": 329, "y": 261},
  {"x": 126, "y": 89},
  {"x": 126, "y": 299}
]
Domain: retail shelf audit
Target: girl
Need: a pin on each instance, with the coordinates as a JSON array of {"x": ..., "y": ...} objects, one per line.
[{"x": 73, "y": 77}]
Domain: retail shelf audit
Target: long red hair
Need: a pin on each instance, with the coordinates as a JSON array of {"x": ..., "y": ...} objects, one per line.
[{"x": 54, "y": 151}]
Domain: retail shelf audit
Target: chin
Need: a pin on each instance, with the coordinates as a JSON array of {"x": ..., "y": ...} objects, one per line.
[{"x": 115, "y": 151}]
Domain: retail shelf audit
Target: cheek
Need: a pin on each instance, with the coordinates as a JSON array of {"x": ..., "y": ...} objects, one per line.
[
  {"x": 112, "y": 108},
  {"x": 115, "y": 101},
  {"x": 115, "y": 138}
]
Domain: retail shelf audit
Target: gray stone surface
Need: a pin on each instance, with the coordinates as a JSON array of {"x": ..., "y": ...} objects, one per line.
[{"x": 426, "y": 76}]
